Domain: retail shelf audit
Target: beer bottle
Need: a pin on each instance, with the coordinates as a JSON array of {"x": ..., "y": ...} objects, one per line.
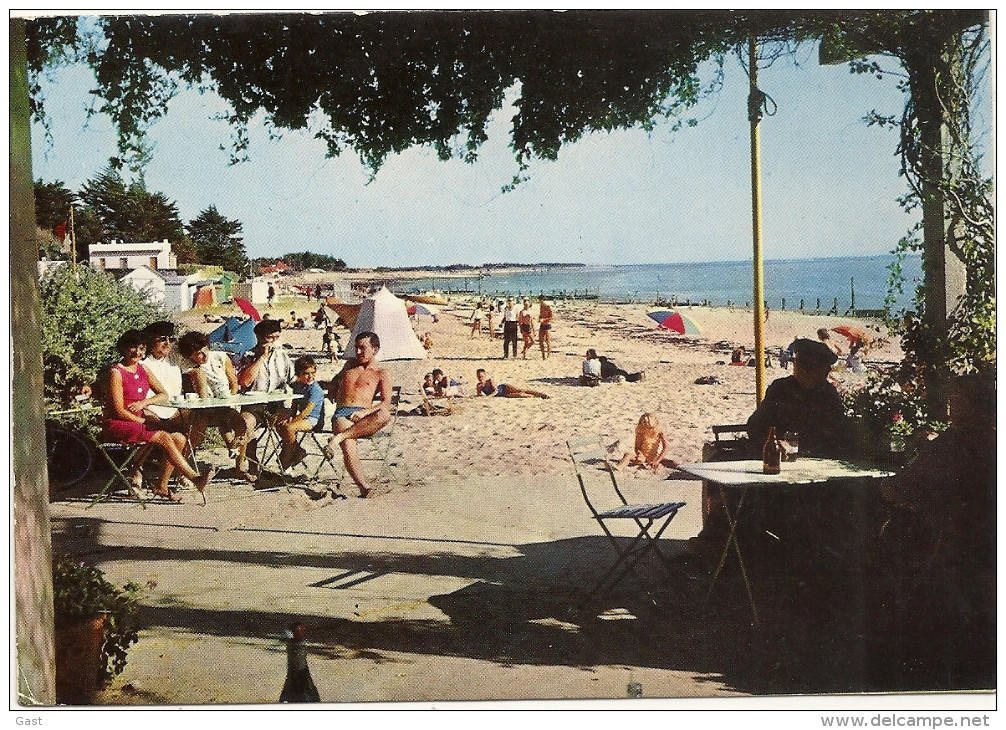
[
  {"x": 298, "y": 687},
  {"x": 771, "y": 453}
]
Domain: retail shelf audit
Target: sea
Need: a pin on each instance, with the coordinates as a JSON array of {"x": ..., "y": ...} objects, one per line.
[{"x": 818, "y": 284}]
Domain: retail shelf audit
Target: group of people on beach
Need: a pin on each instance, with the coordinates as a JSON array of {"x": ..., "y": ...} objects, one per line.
[
  {"x": 142, "y": 396},
  {"x": 514, "y": 321}
]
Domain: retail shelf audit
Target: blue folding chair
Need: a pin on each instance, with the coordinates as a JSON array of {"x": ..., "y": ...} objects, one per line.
[{"x": 585, "y": 454}]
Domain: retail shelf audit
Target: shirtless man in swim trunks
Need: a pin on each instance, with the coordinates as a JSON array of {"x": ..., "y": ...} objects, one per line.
[{"x": 356, "y": 415}]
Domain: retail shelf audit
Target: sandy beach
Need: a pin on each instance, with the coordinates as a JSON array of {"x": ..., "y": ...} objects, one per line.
[{"x": 454, "y": 580}]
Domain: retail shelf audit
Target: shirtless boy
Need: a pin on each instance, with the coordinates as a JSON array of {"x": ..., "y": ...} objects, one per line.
[{"x": 356, "y": 415}]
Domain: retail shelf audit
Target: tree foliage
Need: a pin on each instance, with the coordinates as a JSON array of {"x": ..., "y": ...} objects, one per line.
[
  {"x": 52, "y": 203},
  {"x": 129, "y": 212},
  {"x": 310, "y": 260},
  {"x": 83, "y": 313},
  {"x": 380, "y": 83},
  {"x": 216, "y": 240}
]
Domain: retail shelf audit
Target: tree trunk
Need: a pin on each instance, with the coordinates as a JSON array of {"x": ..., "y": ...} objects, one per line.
[
  {"x": 32, "y": 537},
  {"x": 944, "y": 271}
]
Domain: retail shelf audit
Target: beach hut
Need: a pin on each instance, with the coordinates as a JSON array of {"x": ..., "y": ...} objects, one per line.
[
  {"x": 235, "y": 336},
  {"x": 227, "y": 281},
  {"x": 387, "y": 315},
  {"x": 205, "y": 296}
]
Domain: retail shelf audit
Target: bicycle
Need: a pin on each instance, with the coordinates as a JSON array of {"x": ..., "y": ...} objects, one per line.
[{"x": 68, "y": 456}]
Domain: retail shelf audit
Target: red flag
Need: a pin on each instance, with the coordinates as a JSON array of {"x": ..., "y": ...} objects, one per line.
[{"x": 60, "y": 231}]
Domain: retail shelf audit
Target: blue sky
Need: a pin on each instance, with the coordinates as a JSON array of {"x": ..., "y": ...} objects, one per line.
[{"x": 829, "y": 183}]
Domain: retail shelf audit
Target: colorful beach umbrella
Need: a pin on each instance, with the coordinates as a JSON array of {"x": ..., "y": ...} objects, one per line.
[
  {"x": 427, "y": 309},
  {"x": 675, "y": 322},
  {"x": 248, "y": 308},
  {"x": 659, "y": 315}
]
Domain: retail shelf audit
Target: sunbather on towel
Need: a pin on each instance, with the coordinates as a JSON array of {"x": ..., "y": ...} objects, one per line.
[{"x": 486, "y": 388}]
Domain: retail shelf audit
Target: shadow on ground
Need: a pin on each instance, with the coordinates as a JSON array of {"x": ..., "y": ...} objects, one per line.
[{"x": 821, "y": 630}]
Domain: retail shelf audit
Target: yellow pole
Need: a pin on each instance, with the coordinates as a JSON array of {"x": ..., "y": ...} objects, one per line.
[
  {"x": 754, "y": 116},
  {"x": 73, "y": 240}
]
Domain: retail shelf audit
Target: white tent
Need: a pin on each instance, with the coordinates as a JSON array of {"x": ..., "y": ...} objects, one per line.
[{"x": 386, "y": 314}]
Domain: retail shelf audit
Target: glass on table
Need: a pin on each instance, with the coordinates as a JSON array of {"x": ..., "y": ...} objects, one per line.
[{"x": 791, "y": 445}]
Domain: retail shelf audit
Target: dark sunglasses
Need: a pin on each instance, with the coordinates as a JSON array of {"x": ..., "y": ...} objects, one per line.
[{"x": 166, "y": 338}]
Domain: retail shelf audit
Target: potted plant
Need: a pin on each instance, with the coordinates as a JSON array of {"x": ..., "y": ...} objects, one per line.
[{"x": 94, "y": 628}]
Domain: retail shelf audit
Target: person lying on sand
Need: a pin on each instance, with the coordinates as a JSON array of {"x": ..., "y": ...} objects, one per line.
[
  {"x": 354, "y": 391},
  {"x": 651, "y": 445},
  {"x": 486, "y": 388}
]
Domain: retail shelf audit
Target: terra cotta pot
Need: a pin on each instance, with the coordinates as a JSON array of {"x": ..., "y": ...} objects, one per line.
[{"x": 78, "y": 660}]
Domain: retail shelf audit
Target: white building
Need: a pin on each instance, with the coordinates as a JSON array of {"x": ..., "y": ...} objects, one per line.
[
  {"x": 146, "y": 281},
  {"x": 156, "y": 255}
]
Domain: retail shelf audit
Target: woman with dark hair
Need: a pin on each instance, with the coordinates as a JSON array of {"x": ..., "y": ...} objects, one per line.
[{"x": 123, "y": 421}]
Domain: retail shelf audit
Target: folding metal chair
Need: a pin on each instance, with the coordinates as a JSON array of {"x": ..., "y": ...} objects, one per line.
[
  {"x": 120, "y": 457},
  {"x": 380, "y": 448},
  {"x": 430, "y": 408},
  {"x": 734, "y": 446},
  {"x": 381, "y": 443},
  {"x": 583, "y": 454}
]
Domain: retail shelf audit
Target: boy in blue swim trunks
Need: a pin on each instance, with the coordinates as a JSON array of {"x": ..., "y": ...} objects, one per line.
[
  {"x": 312, "y": 411},
  {"x": 362, "y": 391}
]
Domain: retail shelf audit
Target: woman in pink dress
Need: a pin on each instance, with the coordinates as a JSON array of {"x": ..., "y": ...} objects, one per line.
[{"x": 128, "y": 384}]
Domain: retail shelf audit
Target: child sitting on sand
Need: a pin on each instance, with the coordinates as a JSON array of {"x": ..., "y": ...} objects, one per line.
[
  {"x": 651, "y": 444},
  {"x": 429, "y": 390}
]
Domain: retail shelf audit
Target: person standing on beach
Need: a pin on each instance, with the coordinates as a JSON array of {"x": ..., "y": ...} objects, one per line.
[
  {"x": 270, "y": 295},
  {"x": 509, "y": 329},
  {"x": 353, "y": 391},
  {"x": 477, "y": 320},
  {"x": 544, "y": 328},
  {"x": 526, "y": 322}
]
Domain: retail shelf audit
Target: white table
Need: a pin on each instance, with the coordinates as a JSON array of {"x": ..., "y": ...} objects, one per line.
[
  {"x": 748, "y": 474},
  {"x": 240, "y": 400},
  {"x": 231, "y": 401}
]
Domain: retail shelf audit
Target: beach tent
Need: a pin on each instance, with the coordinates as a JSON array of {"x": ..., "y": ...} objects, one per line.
[
  {"x": 347, "y": 313},
  {"x": 235, "y": 336},
  {"x": 386, "y": 314}
]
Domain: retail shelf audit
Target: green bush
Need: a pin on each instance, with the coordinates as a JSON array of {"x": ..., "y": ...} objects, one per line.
[
  {"x": 80, "y": 591},
  {"x": 83, "y": 314}
]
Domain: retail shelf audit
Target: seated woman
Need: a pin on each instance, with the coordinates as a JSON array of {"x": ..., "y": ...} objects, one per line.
[
  {"x": 212, "y": 375},
  {"x": 591, "y": 369},
  {"x": 123, "y": 422},
  {"x": 487, "y": 388},
  {"x": 650, "y": 446}
]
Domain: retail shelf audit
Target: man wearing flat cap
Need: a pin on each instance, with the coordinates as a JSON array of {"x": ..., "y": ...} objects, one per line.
[{"x": 805, "y": 403}]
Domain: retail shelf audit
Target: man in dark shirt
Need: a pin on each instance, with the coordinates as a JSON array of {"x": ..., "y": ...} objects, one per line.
[{"x": 805, "y": 403}]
